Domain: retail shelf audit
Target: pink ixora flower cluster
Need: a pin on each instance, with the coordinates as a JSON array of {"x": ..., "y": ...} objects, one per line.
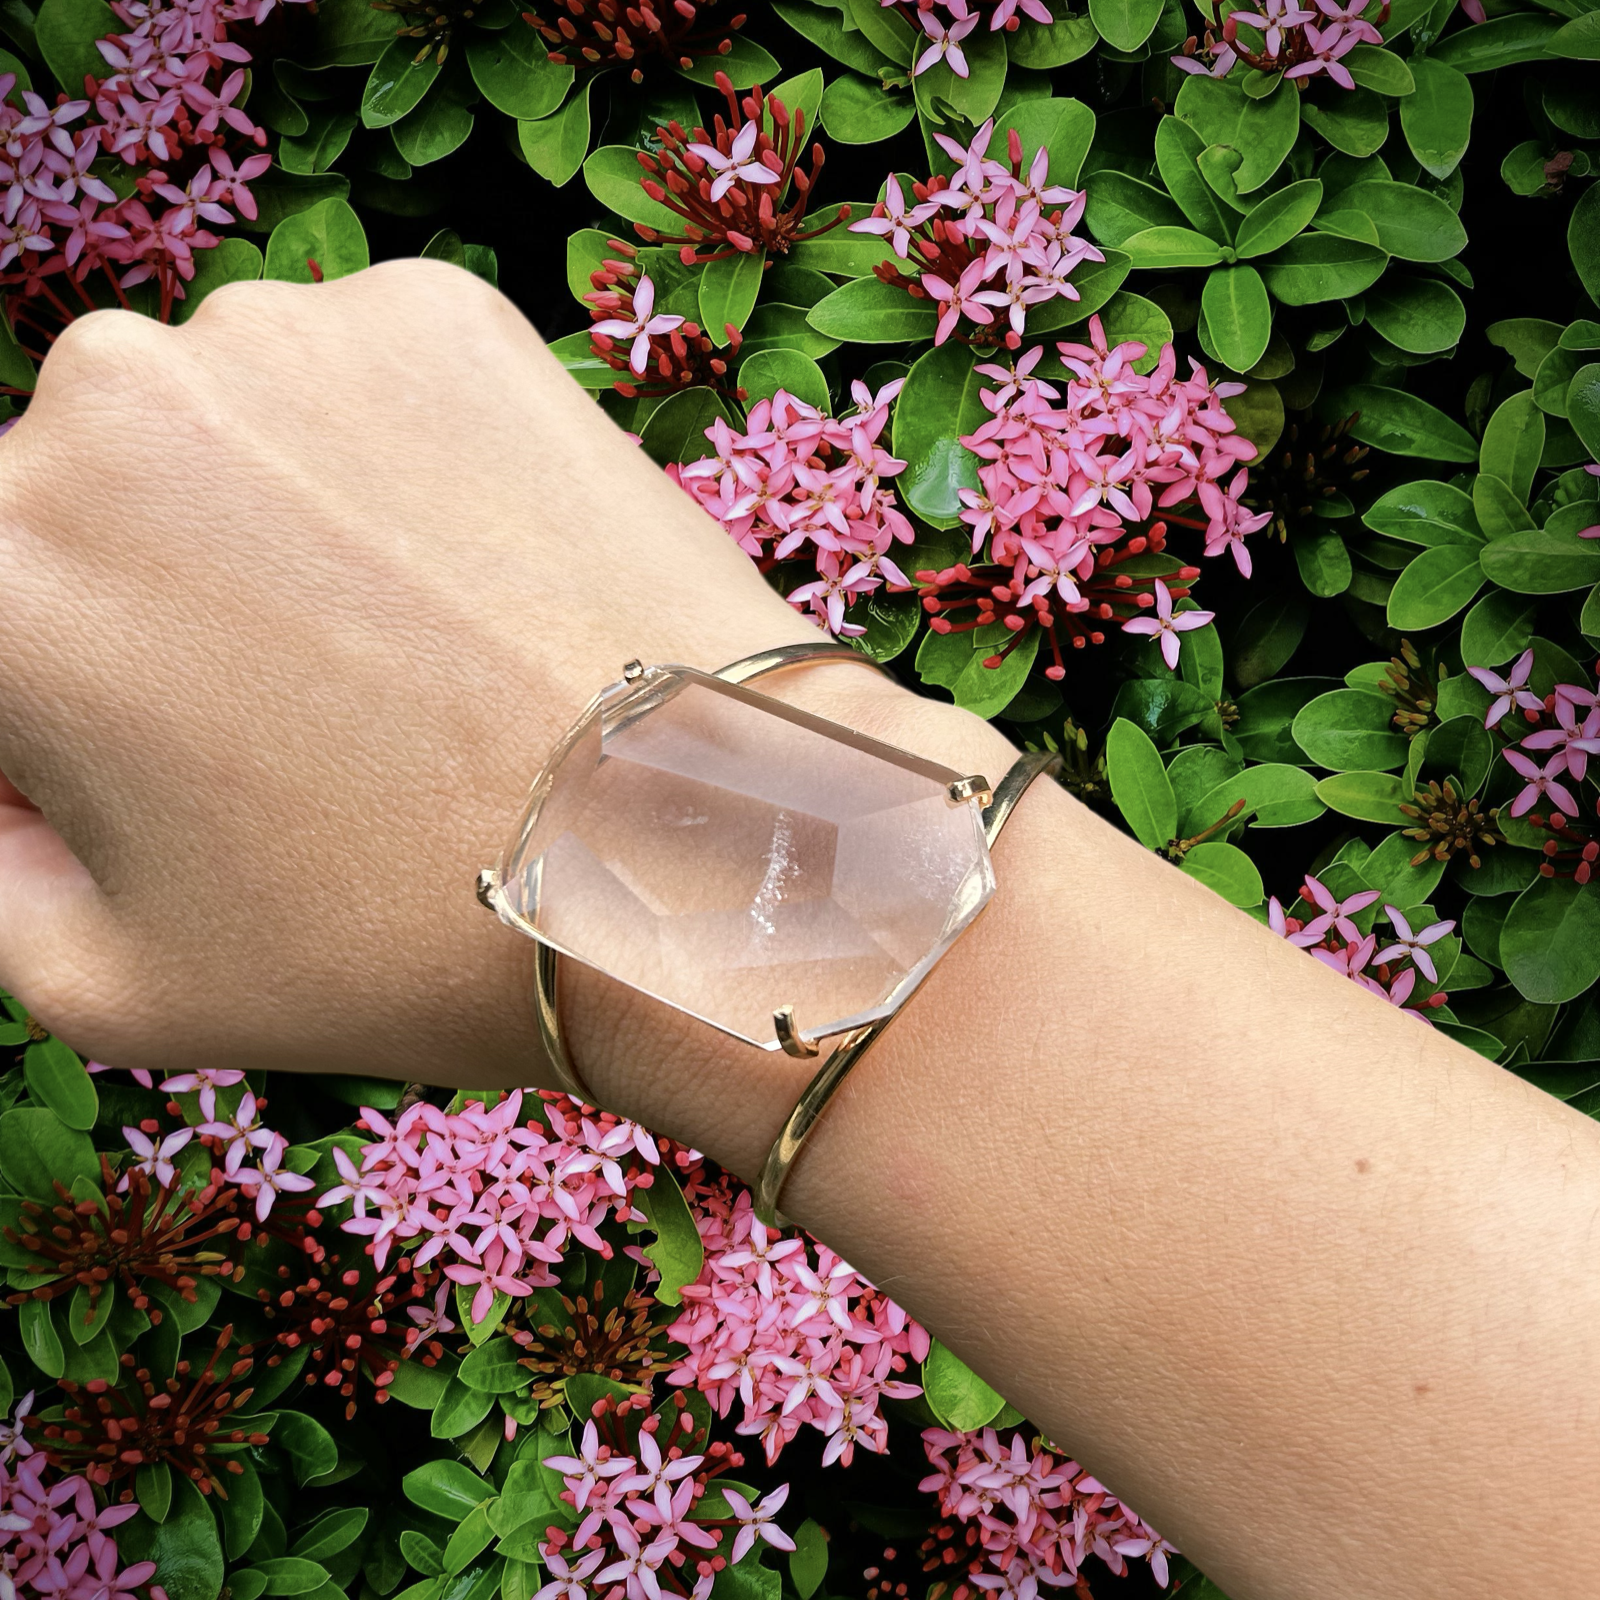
[
  {"x": 55, "y": 1542},
  {"x": 1552, "y": 760},
  {"x": 796, "y": 1339},
  {"x": 1300, "y": 41},
  {"x": 1333, "y": 936},
  {"x": 1038, "y": 1517},
  {"x": 945, "y": 23},
  {"x": 798, "y": 484},
  {"x": 647, "y": 1527},
  {"x": 986, "y": 243},
  {"x": 168, "y": 108},
  {"x": 1067, "y": 464},
  {"x": 495, "y": 1195}
]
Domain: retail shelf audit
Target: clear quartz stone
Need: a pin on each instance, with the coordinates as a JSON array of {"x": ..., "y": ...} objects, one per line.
[{"x": 730, "y": 855}]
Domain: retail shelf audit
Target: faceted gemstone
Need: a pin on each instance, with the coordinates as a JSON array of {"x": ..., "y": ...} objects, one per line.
[{"x": 730, "y": 855}]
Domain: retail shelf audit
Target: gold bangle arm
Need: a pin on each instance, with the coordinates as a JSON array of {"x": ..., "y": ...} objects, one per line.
[{"x": 844, "y": 1056}]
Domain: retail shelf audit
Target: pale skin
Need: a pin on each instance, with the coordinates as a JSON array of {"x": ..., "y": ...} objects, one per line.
[{"x": 297, "y": 598}]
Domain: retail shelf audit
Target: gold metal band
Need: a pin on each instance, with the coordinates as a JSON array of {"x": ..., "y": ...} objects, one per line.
[
  {"x": 831, "y": 1075},
  {"x": 850, "y": 1049}
]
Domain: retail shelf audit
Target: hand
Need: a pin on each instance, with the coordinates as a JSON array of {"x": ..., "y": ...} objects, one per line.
[{"x": 300, "y": 595}]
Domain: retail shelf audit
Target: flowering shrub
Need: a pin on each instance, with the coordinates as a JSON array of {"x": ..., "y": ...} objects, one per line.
[{"x": 1106, "y": 369}]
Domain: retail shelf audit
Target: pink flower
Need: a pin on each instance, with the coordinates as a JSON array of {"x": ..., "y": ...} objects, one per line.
[
  {"x": 946, "y": 37},
  {"x": 729, "y": 168},
  {"x": 1332, "y": 912},
  {"x": 1542, "y": 783},
  {"x": 957, "y": 300},
  {"x": 892, "y": 219},
  {"x": 642, "y": 326},
  {"x": 155, "y": 1160},
  {"x": 1413, "y": 945},
  {"x": 756, "y": 1521},
  {"x": 1165, "y": 625},
  {"x": 1509, "y": 691},
  {"x": 568, "y": 1582},
  {"x": 266, "y": 1181}
]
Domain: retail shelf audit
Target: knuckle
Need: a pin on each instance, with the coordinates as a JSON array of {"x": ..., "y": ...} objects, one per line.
[{"x": 102, "y": 349}]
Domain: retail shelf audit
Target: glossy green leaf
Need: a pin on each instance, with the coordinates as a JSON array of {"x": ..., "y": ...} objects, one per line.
[
  {"x": 1262, "y": 131},
  {"x": 1061, "y": 127},
  {"x": 1513, "y": 442},
  {"x": 1226, "y": 870},
  {"x": 1411, "y": 224},
  {"x": 1267, "y": 713},
  {"x": 728, "y": 291},
  {"x": 1368, "y": 796},
  {"x": 768, "y": 371},
  {"x": 290, "y": 1575},
  {"x": 185, "y": 1546},
  {"x": 397, "y": 83},
  {"x": 324, "y": 141},
  {"x": 1277, "y": 219},
  {"x": 332, "y": 1532},
  {"x": 973, "y": 95},
  {"x": 857, "y": 110},
  {"x": 447, "y": 1488},
  {"x": 746, "y": 64},
  {"x": 1068, "y": 38},
  {"x": 1425, "y": 511},
  {"x": 1322, "y": 559},
  {"x": 1355, "y": 122},
  {"x": 437, "y": 127},
  {"x": 309, "y": 1446},
  {"x": 1550, "y": 943},
  {"x": 1139, "y": 784},
  {"x": 886, "y": 29},
  {"x": 1502, "y": 41},
  {"x": 1275, "y": 794},
  {"x": 1437, "y": 119},
  {"x": 1577, "y": 40},
  {"x": 957, "y": 662},
  {"x": 960, "y": 1399},
  {"x": 40, "y": 1340},
  {"x": 676, "y": 429},
  {"x": 676, "y": 1251},
  {"x": 1547, "y": 560},
  {"x": 555, "y": 145},
  {"x": 1527, "y": 340},
  {"x": 1499, "y": 627},
  {"x": 868, "y": 311},
  {"x": 1583, "y": 406},
  {"x": 829, "y": 28},
  {"x": 38, "y": 1150},
  {"x": 1378, "y": 69},
  {"x": 1125, "y": 24},
  {"x": 1436, "y": 585},
  {"x": 1120, "y": 206},
  {"x": 1317, "y": 267},
  {"x": 56, "y": 1078},
  {"x": 808, "y": 1561},
  {"x": 1171, "y": 247},
  {"x": 513, "y": 70},
  {"x": 1349, "y": 730},
  {"x": 1418, "y": 315},
  {"x": 941, "y": 401},
  {"x": 66, "y": 31},
  {"x": 1238, "y": 315},
  {"x": 613, "y": 175},
  {"x": 1405, "y": 425},
  {"x": 329, "y": 234},
  {"x": 495, "y": 1368},
  {"x": 1096, "y": 282},
  {"x": 1178, "y": 152}
]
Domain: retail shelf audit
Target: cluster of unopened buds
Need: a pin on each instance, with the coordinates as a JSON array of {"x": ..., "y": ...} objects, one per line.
[
  {"x": 1552, "y": 760},
  {"x": 55, "y": 1540},
  {"x": 790, "y": 1334},
  {"x": 652, "y": 352},
  {"x": 738, "y": 185},
  {"x": 606, "y": 33},
  {"x": 1333, "y": 936},
  {"x": 493, "y": 1193},
  {"x": 646, "y": 1529},
  {"x": 986, "y": 243},
  {"x": 1032, "y": 1518},
  {"x": 1300, "y": 41},
  {"x": 1065, "y": 467},
  {"x": 946, "y": 23},
  {"x": 796, "y": 484},
  {"x": 168, "y": 107}
]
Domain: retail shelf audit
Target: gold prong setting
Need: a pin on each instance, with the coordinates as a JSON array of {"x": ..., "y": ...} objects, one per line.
[
  {"x": 788, "y": 1032},
  {"x": 976, "y": 787}
]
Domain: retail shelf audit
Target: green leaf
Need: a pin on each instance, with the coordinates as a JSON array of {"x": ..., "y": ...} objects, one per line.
[
  {"x": 808, "y": 1561},
  {"x": 1419, "y": 315},
  {"x": 1262, "y": 131},
  {"x": 1322, "y": 559},
  {"x": 38, "y": 1150},
  {"x": 243, "y": 1512},
  {"x": 857, "y": 110},
  {"x": 1067, "y": 39},
  {"x": 1369, "y": 796},
  {"x": 1349, "y": 730},
  {"x": 555, "y": 146},
  {"x": 1119, "y": 207},
  {"x": 1277, "y": 219},
  {"x": 1171, "y": 247},
  {"x": 40, "y": 1339},
  {"x": 1238, "y": 315},
  {"x": 185, "y": 1546},
  {"x": 955, "y": 661},
  {"x": 1125, "y": 24},
  {"x": 768, "y": 371},
  {"x": 1513, "y": 441},
  {"x": 66, "y": 30},
  {"x": 1547, "y": 560},
  {"x": 1499, "y": 42},
  {"x": 1139, "y": 784},
  {"x": 1063, "y": 128},
  {"x": 1275, "y": 796},
  {"x": 1226, "y": 870},
  {"x": 459, "y": 1410},
  {"x": 1460, "y": 748},
  {"x": 309, "y": 1445},
  {"x": 1434, "y": 586},
  {"x": 1131, "y": 317},
  {"x": 1267, "y": 712},
  {"x": 396, "y": 83},
  {"x": 1404, "y": 425},
  {"x": 676, "y": 429},
  {"x": 1178, "y": 152},
  {"x": 887, "y": 30},
  {"x": 86, "y": 1319},
  {"x": 801, "y": 97},
  {"x": 784, "y": 328},
  {"x": 728, "y": 291},
  {"x": 291, "y": 1575},
  {"x": 973, "y": 96},
  {"x": 446, "y": 1488},
  {"x": 940, "y": 402},
  {"x": 747, "y": 64},
  {"x": 1583, "y": 406},
  {"x": 1550, "y": 944},
  {"x": 677, "y": 1252},
  {"x": 614, "y": 176},
  {"x": 328, "y": 233},
  {"x": 348, "y": 33},
  {"x": 1355, "y": 123},
  {"x": 56, "y": 1078},
  {"x": 1498, "y": 510},
  {"x": 1425, "y": 511},
  {"x": 1578, "y": 40},
  {"x": 1437, "y": 119},
  {"x": 959, "y": 1398},
  {"x": 1412, "y": 224},
  {"x": 332, "y": 1532},
  {"x": 1096, "y": 283},
  {"x": 495, "y": 1368},
  {"x": 1317, "y": 267},
  {"x": 1527, "y": 340},
  {"x": 868, "y": 311},
  {"x": 437, "y": 127},
  {"x": 152, "y": 1488},
  {"x": 471, "y": 1536},
  {"x": 1381, "y": 70},
  {"x": 324, "y": 141},
  {"x": 842, "y": 253},
  {"x": 835, "y": 34},
  {"x": 1499, "y": 627}
]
